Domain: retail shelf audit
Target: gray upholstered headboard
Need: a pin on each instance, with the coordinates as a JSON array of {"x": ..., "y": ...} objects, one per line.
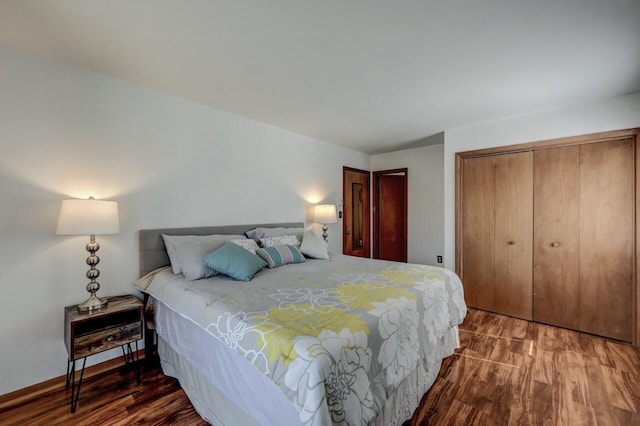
[{"x": 153, "y": 254}]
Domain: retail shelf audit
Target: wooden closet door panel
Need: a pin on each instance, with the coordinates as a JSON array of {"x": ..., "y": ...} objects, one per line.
[
  {"x": 514, "y": 234},
  {"x": 606, "y": 237},
  {"x": 477, "y": 235},
  {"x": 556, "y": 238}
]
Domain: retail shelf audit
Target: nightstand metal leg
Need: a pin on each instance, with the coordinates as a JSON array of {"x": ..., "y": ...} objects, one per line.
[
  {"x": 129, "y": 360},
  {"x": 69, "y": 364},
  {"x": 137, "y": 370},
  {"x": 75, "y": 392}
]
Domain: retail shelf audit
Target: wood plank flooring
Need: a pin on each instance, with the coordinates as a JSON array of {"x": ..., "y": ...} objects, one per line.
[
  {"x": 514, "y": 372},
  {"x": 113, "y": 398},
  {"x": 507, "y": 372}
]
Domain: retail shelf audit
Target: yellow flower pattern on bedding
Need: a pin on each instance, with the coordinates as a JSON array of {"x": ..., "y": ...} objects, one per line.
[
  {"x": 361, "y": 295},
  {"x": 304, "y": 322}
]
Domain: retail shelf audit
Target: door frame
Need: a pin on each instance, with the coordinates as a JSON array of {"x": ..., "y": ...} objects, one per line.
[
  {"x": 375, "y": 208},
  {"x": 552, "y": 143},
  {"x": 366, "y": 211}
]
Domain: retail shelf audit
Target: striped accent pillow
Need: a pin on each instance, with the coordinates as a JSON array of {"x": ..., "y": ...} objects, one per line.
[{"x": 280, "y": 255}]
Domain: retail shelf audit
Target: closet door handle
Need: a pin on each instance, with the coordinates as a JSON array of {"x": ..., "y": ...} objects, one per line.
[
  {"x": 555, "y": 244},
  {"x": 512, "y": 243}
]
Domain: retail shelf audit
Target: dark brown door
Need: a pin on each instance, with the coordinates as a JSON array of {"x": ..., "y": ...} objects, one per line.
[
  {"x": 355, "y": 226},
  {"x": 390, "y": 215}
]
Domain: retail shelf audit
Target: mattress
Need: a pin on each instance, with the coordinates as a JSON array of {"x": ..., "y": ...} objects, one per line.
[{"x": 345, "y": 341}]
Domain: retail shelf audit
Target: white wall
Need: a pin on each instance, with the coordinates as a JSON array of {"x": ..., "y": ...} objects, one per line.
[
  {"x": 67, "y": 133},
  {"x": 425, "y": 198},
  {"x": 612, "y": 114}
]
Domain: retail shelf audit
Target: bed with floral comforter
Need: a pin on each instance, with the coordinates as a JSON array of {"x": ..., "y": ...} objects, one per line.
[{"x": 337, "y": 337}]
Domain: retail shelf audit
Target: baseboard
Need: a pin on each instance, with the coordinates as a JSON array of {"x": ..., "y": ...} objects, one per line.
[{"x": 21, "y": 396}]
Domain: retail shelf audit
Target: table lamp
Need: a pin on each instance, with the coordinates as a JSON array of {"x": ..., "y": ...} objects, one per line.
[
  {"x": 325, "y": 213},
  {"x": 89, "y": 217}
]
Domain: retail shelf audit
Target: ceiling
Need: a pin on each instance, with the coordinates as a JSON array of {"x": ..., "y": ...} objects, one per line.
[{"x": 371, "y": 75}]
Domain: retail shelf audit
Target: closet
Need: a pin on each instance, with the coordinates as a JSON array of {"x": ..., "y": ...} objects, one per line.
[{"x": 546, "y": 232}]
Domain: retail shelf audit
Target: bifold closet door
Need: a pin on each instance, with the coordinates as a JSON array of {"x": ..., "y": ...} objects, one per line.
[
  {"x": 557, "y": 236},
  {"x": 513, "y": 285},
  {"x": 497, "y": 210},
  {"x": 583, "y": 237},
  {"x": 478, "y": 232},
  {"x": 606, "y": 238}
]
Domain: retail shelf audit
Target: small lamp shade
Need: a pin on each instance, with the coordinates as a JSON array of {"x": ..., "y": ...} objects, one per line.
[
  {"x": 88, "y": 217},
  {"x": 325, "y": 213}
]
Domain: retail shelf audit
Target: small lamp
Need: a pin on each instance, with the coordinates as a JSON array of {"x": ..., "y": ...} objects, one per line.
[
  {"x": 325, "y": 213},
  {"x": 89, "y": 217}
]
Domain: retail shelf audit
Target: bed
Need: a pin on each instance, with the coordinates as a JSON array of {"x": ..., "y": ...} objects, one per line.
[{"x": 339, "y": 341}]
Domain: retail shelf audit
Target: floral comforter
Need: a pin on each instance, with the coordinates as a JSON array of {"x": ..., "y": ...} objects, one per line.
[{"x": 336, "y": 336}]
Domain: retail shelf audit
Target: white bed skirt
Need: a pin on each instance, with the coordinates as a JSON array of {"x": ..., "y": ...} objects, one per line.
[{"x": 226, "y": 391}]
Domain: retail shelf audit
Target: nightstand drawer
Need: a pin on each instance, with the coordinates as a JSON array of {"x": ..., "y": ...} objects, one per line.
[{"x": 103, "y": 340}]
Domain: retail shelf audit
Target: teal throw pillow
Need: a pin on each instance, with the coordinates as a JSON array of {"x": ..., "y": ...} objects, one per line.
[{"x": 234, "y": 261}]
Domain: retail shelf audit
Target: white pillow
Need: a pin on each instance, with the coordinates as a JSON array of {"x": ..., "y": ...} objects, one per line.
[
  {"x": 314, "y": 246},
  {"x": 247, "y": 244},
  {"x": 282, "y": 240}
]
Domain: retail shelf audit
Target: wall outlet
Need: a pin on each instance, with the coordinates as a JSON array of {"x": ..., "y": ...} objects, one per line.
[{"x": 439, "y": 259}]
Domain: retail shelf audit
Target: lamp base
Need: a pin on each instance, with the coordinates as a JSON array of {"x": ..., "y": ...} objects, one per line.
[{"x": 93, "y": 303}]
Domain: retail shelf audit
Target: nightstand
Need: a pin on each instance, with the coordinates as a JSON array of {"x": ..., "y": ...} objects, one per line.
[{"x": 88, "y": 333}]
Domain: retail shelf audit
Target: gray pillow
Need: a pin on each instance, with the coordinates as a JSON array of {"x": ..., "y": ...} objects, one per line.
[
  {"x": 169, "y": 244},
  {"x": 258, "y": 233},
  {"x": 188, "y": 251}
]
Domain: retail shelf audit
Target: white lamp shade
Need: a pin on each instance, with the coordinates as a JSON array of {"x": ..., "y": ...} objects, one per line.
[
  {"x": 325, "y": 213},
  {"x": 88, "y": 217}
]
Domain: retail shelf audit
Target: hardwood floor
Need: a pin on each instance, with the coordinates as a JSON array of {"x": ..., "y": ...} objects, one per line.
[
  {"x": 507, "y": 372},
  {"x": 514, "y": 372},
  {"x": 113, "y": 398}
]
